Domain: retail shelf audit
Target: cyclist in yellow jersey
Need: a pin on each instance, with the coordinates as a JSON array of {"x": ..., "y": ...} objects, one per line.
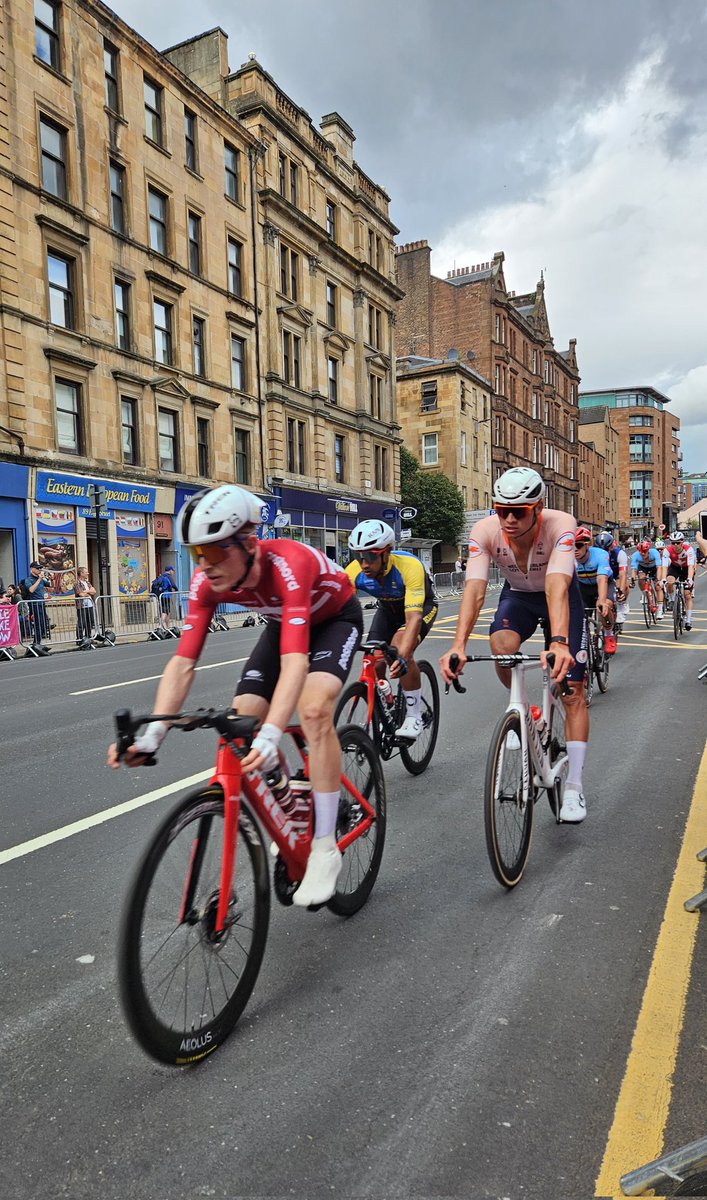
[{"x": 406, "y": 606}]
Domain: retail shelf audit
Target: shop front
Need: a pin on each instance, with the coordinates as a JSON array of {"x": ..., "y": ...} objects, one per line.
[
  {"x": 320, "y": 520},
  {"x": 14, "y": 539}
]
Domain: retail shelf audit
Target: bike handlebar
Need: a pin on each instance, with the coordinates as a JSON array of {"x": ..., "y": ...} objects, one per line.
[
  {"x": 226, "y": 722},
  {"x": 453, "y": 666},
  {"x": 504, "y": 660},
  {"x": 389, "y": 653}
]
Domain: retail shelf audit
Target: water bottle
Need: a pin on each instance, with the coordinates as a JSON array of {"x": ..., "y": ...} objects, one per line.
[
  {"x": 301, "y": 794},
  {"x": 541, "y": 724},
  {"x": 279, "y": 783},
  {"x": 385, "y": 691}
]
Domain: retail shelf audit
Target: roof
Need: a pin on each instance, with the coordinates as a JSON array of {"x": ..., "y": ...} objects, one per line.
[
  {"x": 414, "y": 364},
  {"x": 591, "y": 416},
  {"x": 471, "y": 275}
]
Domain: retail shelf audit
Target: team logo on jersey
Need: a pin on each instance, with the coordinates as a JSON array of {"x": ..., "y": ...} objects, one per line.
[
  {"x": 581, "y": 656},
  {"x": 566, "y": 542},
  {"x": 474, "y": 549}
]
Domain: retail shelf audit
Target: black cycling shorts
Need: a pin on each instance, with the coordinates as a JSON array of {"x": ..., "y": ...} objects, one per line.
[
  {"x": 679, "y": 572},
  {"x": 390, "y": 618},
  {"x": 332, "y": 646},
  {"x": 522, "y": 612}
]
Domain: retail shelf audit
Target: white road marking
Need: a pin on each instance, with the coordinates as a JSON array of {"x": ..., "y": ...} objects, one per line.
[
  {"x": 106, "y": 687},
  {"x": 108, "y": 814}
]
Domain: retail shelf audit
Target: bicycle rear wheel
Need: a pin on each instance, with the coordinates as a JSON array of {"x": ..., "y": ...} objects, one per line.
[
  {"x": 182, "y": 985},
  {"x": 601, "y": 663},
  {"x": 590, "y": 673},
  {"x": 508, "y": 817},
  {"x": 360, "y": 764},
  {"x": 352, "y": 706},
  {"x": 646, "y": 605},
  {"x": 558, "y": 750},
  {"x": 416, "y": 756}
]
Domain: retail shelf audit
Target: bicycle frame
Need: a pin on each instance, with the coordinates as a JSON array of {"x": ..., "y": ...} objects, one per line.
[{"x": 545, "y": 773}]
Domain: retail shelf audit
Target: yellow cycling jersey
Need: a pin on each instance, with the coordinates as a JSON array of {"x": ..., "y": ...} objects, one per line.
[{"x": 405, "y": 583}]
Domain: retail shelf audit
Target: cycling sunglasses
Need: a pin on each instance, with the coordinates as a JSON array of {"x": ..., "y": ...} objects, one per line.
[
  {"x": 214, "y": 552},
  {"x": 581, "y": 544},
  {"x": 513, "y": 510},
  {"x": 368, "y": 556}
]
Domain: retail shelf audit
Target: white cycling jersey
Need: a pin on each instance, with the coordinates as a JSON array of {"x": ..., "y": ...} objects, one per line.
[{"x": 552, "y": 551}]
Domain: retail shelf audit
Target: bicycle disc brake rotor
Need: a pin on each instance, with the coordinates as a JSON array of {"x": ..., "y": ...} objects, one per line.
[{"x": 208, "y": 919}]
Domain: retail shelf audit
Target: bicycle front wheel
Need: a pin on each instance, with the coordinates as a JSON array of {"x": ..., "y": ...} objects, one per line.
[
  {"x": 508, "y": 814},
  {"x": 360, "y": 765},
  {"x": 183, "y": 986},
  {"x": 601, "y": 664},
  {"x": 678, "y": 616},
  {"x": 352, "y": 706},
  {"x": 646, "y": 603},
  {"x": 589, "y": 673},
  {"x": 416, "y": 756}
]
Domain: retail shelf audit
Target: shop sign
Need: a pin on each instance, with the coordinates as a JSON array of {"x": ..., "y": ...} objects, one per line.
[
  {"x": 164, "y": 526},
  {"x": 408, "y": 514},
  {"x": 130, "y": 525},
  {"x": 78, "y": 489},
  {"x": 405, "y": 535},
  {"x": 347, "y": 506},
  {"x": 55, "y": 520}
]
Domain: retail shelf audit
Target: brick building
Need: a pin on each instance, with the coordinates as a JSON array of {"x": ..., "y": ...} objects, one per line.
[
  {"x": 180, "y": 303},
  {"x": 535, "y": 410},
  {"x": 599, "y": 484},
  {"x": 649, "y": 453}
]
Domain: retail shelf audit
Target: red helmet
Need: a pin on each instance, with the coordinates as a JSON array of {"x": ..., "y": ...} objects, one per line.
[
  {"x": 582, "y": 535},
  {"x": 644, "y": 547}
]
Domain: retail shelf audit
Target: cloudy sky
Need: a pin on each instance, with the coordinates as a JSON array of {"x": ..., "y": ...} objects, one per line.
[{"x": 571, "y": 135}]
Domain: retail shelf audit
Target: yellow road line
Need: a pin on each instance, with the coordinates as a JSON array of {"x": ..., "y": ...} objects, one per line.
[{"x": 643, "y": 1105}]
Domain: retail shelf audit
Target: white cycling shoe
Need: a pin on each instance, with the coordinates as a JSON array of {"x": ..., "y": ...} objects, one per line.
[
  {"x": 323, "y": 869},
  {"x": 574, "y": 806},
  {"x": 410, "y": 729}
]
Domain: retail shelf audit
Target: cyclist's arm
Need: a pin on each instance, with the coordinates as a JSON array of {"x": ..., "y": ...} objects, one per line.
[
  {"x": 557, "y": 588},
  {"x": 472, "y": 602},
  {"x": 172, "y": 691}
]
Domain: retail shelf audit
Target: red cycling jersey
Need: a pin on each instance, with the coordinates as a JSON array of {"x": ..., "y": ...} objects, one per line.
[{"x": 298, "y": 586}]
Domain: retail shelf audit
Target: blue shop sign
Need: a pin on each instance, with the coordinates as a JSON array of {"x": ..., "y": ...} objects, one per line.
[
  {"x": 77, "y": 489},
  {"x": 13, "y": 481}
]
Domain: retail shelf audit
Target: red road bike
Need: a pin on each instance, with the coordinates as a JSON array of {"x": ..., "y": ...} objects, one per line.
[{"x": 196, "y": 917}]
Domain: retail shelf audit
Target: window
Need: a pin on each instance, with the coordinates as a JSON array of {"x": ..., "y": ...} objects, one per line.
[
  {"x": 110, "y": 71},
  {"x": 238, "y": 376},
  {"x": 158, "y": 220},
  {"x": 430, "y": 449},
  {"x": 282, "y": 174},
  {"x": 331, "y": 220},
  {"x": 163, "y": 332},
  {"x": 242, "y": 452},
  {"x": 371, "y": 246},
  {"x": 497, "y": 328},
  {"x": 194, "y": 237},
  {"x": 463, "y": 449},
  {"x": 69, "y": 425},
  {"x": 168, "y": 440},
  {"x": 288, "y": 173},
  {"x": 46, "y": 32},
  {"x": 60, "y": 273},
  {"x": 380, "y": 468},
  {"x": 190, "y": 155},
  {"x": 639, "y": 419},
  {"x": 153, "y": 111},
  {"x": 291, "y": 349},
  {"x": 641, "y": 447},
  {"x": 293, "y": 183},
  {"x": 339, "y": 458},
  {"x": 333, "y": 376},
  {"x": 429, "y": 396},
  {"x": 235, "y": 269},
  {"x": 536, "y": 362},
  {"x": 296, "y": 464},
  {"x": 198, "y": 337},
  {"x": 53, "y": 147},
  {"x": 289, "y": 263},
  {"x": 374, "y": 326},
  {"x": 128, "y": 420},
  {"x": 203, "y": 447},
  {"x": 379, "y": 253},
  {"x": 121, "y": 292},
  {"x": 117, "y": 197},
  {"x": 232, "y": 160},
  {"x": 375, "y": 391},
  {"x": 475, "y": 458},
  {"x": 331, "y": 290}
]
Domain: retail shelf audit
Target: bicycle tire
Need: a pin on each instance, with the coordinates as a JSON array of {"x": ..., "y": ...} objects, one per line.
[
  {"x": 362, "y": 858},
  {"x": 654, "y": 606},
  {"x": 417, "y": 756},
  {"x": 352, "y": 706},
  {"x": 677, "y": 615},
  {"x": 601, "y": 664},
  {"x": 589, "y": 673},
  {"x": 558, "y": 747},
  {"x": 505, "y": 813},
  {"x": 197, "y": 1038},
  {"x": 646, "y": 609}
]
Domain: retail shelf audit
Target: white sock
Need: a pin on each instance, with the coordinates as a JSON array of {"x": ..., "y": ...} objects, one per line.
[
  {"x": 326, "y": 810},
  {"x": 576, "y": 752},
  {"x": 414, "y": 702}
]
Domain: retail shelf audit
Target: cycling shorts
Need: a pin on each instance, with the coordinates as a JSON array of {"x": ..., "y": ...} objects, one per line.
[
  {"x": 590, "y": 595},
  {"x": 390, "y": 618},
  {"x": 332, "y": 645},
  {"x": 678, "y": 572},
  {"x": 650, "y": 571},
  {"x": 522, "y": 612}
]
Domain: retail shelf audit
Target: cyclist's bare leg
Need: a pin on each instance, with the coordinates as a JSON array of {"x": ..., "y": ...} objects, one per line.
[
  {"x": 316, "y": 709},
  {"x": 411, "y": 681},
  {"x": 577, "y": 726},
  {"x": 505, "y": 641}
]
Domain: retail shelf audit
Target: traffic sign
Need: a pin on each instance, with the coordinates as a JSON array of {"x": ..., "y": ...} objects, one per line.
[
  {"x": 408, "y": 514},
  {"x": 405, "y": 535},
  {"x": 389, "y": 514},
  {"x": 282, "y": 520}
]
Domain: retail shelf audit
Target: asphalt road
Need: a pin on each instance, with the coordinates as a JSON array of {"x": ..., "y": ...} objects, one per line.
[{"x": 451, "y": 1040}]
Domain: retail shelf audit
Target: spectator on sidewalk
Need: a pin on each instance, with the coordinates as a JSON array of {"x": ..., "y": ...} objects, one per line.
[
  {"x": 34, "y": 590},
  {"x": 162, "y": 587},
  {"x": 458, "y": 565},
  {"x": 85, "y": 605}
]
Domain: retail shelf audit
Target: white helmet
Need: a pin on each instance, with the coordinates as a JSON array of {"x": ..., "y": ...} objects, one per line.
[
  {"x": 371, "y": 535},
  {"x": 677, "y": 536},
  {"x": 216, "y": 514},
  {"x": 519, "y": 485}
]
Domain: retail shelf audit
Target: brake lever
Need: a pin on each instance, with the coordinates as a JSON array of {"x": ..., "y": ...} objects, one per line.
[
  {"x": 564, "y": 687},
  {"x": 454, "y": 666},
  {"x": 126, "y": 736}
]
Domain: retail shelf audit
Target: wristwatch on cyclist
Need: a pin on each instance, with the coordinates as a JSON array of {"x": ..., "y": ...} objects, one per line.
[{"x": 559, "y": 638}]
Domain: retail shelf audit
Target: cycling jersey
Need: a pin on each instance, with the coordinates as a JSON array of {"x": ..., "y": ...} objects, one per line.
[
  {"x": 405, "y": 584},
  {"x": 552, "y": 552},
  {"x": 618, "y": 561},
  {"x": 298, "y": 587},
  {"x": 651, "y": 563},
  {"x": 684, "y": 557},
  {"x": 596, "y": 564}
]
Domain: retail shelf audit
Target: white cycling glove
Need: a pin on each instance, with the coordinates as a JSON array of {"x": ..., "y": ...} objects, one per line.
[
  {"x": 150, "y": 741},
  {"x": 266, "y": 743}
]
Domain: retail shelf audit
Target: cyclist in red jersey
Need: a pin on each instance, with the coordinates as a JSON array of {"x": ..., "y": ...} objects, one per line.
[{"x": 314, "y": 626}]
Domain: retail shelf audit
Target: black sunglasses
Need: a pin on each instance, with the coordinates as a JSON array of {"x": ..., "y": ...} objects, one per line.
[
  {"x": 368, "y": 556},
  {"x": 513, "y": 510}
]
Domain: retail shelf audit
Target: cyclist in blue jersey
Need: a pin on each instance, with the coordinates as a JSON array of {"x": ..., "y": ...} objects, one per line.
[
  {"x": 645, "y": 564},
  {"x": 618, "y": 561},
  {"x": 596, "y": 581}
]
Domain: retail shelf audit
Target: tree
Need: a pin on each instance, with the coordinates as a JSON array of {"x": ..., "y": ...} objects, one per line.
[{"x": 439, "y": 502}]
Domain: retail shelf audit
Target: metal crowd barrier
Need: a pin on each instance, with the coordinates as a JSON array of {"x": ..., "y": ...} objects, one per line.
[{"x": 451, "y": 583}]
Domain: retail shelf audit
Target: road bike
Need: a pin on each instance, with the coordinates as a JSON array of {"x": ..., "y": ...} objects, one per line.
[
  {"x": 649, "y": 600},
  {"x": 597, "y": 658},
  {"x": 528, "y": 753},
  {"x": 679, "y": 609},
  {"x": 363, "y": 703},
  {"x": 196, "y": 916}
]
